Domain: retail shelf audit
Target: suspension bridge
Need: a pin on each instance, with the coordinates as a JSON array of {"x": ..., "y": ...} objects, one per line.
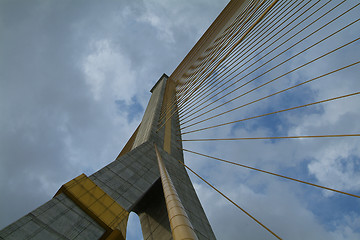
[{"x": 268, "y": 96}]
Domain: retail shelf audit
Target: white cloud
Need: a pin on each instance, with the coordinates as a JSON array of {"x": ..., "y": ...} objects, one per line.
[{"x": 109, "y": 73}]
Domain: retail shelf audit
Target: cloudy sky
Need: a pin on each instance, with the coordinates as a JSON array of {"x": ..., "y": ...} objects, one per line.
[{"x": 74, "y": 82}]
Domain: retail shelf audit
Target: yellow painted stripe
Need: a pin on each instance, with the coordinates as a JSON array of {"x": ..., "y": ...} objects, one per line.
[{"x": 98, "y": 205}]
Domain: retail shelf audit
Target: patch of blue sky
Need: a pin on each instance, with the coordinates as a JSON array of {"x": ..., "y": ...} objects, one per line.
[
  {"x": 332, "y": 210},
  {"x": 278, "y": 124},
  {"x": 299, "y": 170},
  {"x": 341, "y": 205},
  {"x": 349, "y": 164},
  {"x": 132, "y": 110},
  {"x": 293, "y": 98},
  {"x": 133, "y": 229},
  {"x": 271, "y": 123}
]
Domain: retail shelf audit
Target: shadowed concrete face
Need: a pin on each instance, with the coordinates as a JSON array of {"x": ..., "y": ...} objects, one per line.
[{"x": 132, "y": 181}]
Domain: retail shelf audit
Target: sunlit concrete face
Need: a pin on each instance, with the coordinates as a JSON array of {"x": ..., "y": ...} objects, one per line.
[{"x": 84, "y": 207}]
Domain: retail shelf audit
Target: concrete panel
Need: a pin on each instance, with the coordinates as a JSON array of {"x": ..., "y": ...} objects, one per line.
[
  {"x": 153, "y": 107},
  {"x": 59, "y": 218}
]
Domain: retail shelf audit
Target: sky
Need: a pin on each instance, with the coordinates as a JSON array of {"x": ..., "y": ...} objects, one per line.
[{"x": 74, "y": 82}]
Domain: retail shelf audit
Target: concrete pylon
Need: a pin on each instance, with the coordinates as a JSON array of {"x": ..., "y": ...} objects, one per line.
[{"x": 98, "y": 206}]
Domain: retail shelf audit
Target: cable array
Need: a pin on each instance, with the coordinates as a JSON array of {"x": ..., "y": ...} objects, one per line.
[{"x": 266, "y": 61}]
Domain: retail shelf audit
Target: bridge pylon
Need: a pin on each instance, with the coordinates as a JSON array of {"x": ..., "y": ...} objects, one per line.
[{"x": 145, "y": 178}]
